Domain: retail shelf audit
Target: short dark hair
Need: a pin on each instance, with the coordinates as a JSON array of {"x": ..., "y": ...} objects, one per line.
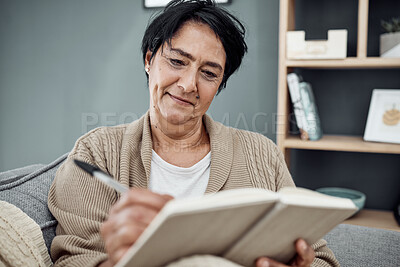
[{"x": 162, "y": 28}]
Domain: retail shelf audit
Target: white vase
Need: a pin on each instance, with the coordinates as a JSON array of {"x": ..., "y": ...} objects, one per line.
[{"x": 390, "y": 44}]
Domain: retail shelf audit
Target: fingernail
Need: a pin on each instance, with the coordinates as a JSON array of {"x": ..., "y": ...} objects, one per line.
[
  {"x": 303, "y": 245},
  {"x": 265, "y": 263}
]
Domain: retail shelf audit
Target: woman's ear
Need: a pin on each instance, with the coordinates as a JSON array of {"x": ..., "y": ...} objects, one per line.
[{"x": 147, "y": 59}]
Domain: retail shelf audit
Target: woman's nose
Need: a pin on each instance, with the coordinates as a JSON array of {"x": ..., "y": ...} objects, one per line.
[{"x": 188, "y": 81}]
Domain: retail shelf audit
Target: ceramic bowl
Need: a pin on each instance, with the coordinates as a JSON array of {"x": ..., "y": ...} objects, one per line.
[{"x": 357, "y": 197}]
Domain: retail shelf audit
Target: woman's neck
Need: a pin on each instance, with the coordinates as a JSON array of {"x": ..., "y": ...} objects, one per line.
[{"x": 178, "y": 137}]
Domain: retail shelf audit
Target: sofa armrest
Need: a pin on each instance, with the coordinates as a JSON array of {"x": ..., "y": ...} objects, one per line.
[
  {"x": 27, "y": 188},
  {"x": 363, "y": 246}
]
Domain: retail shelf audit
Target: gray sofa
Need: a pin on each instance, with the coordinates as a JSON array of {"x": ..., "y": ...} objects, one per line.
[{"x": 27, "y": 189}]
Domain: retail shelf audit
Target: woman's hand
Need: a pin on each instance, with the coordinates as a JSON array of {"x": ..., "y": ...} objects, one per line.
[
  {"x": 304, "y": 257},
  {"x": 127, "y": 220}
]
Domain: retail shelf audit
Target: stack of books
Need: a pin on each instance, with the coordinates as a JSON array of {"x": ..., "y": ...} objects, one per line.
[{"x": 305, "y": 108}]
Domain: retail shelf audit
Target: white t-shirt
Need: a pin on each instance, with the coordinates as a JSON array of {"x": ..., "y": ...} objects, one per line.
[{"x": 179, "y": 182}]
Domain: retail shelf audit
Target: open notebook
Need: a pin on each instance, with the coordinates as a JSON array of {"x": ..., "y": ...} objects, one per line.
[{"x": 240, "y": 225}]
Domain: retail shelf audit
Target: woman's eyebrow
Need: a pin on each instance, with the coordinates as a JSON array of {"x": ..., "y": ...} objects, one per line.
[
  {"x": 215, "y": 65},
  {"x": 182, "y": 53},
  {"x": 189, "y": 56}
]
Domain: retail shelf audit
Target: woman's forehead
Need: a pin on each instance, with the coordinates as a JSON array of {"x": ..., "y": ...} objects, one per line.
[
  {"x": 196, "y": 41},
  {"x": 193, "y": 25}
]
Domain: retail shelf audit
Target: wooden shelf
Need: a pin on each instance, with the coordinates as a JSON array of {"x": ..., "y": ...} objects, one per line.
[
  {"x": 286, "y": 142},
  {"x": 341, "y": 143},
  {"x": 360, "y": 61},
  {"x": 347, "y": 63},
  {"x": 374, "y": 218}
]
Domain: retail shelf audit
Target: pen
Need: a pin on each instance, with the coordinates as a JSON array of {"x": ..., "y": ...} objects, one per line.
[{"x": 102, "y": 176}]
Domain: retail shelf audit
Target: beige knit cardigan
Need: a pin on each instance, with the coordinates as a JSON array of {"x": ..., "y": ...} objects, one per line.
[{"x": 80, "y": 203}]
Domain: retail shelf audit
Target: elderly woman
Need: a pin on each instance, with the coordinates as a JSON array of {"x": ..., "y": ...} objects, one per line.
[{"x": 189, "y": 52}]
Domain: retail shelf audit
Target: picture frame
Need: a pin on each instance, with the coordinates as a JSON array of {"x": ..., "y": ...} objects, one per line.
[
  {"x": 383, "y": 122},
  {"x": 163, "y": 3}
]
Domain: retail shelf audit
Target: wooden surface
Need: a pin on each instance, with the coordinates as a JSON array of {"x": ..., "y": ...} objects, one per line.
[
  {"x": 341, "y": 143},
  {"x": 375, "y": 218},
  {"x": 347, "y": 63},
  {"x": 362, "y": 33},
  {"x": 286, "y": 21}
]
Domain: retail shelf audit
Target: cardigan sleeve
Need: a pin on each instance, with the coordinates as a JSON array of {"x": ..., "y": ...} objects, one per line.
[
  {"x": 80, "y": 203},
  {"x": 282, "y": 174}
]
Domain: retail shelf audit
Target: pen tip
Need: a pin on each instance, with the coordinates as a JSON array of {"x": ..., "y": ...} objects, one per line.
[{"x": 86, "y": 166}]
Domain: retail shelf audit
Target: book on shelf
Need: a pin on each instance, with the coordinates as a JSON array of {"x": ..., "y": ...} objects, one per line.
[
  {"x": 305, "y": 108},
  {"x": 239, "y": 225}
]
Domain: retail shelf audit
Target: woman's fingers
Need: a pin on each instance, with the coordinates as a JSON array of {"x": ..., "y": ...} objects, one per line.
[
  {"x": 136, "y": 213},
  {"x": 117, "y": 256},
  {"x": 133, "y": 216},
  {"x": 305, "y": 254},
  {"x": 267, "y": 262},
  {"x": 129, "y": 217},
  {"x": 304, "y": 257},
  {"x": 121, "y": 240}
]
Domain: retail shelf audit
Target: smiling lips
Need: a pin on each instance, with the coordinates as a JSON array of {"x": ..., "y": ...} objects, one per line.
[{"x": 181, "y": 101}]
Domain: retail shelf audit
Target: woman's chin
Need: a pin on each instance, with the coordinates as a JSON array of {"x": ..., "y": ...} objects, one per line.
[{"x": 178, "y": 118}]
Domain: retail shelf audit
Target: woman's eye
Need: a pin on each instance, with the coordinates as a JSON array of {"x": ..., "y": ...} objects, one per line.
[
  {"x": 210, "y": 74},
  {"x": 176, "y": 62}
]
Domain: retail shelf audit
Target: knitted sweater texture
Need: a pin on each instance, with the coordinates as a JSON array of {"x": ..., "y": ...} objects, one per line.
[{"x": 80, "y": 203}]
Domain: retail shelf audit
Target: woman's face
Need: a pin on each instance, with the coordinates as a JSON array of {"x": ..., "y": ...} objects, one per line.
[{"x": 184, "y": 77}]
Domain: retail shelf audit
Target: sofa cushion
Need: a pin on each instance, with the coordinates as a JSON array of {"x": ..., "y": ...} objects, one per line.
[
  {"x": 27, "y": 188},
  {"x": 363, "y": 246}
]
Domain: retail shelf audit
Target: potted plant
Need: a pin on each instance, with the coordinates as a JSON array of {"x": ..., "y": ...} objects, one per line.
[{"x": 390, "y": 40}]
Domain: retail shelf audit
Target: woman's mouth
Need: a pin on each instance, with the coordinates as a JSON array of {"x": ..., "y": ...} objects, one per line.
[{"x": 180, "y": 100}]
